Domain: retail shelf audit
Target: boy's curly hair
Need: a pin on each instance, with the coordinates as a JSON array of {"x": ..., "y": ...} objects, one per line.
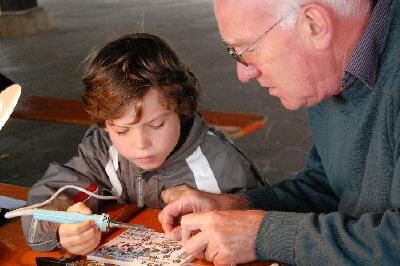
[{"x": 124, "y": 70}]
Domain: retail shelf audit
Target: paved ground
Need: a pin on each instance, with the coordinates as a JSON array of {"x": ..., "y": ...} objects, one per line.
[{"x": 48, "y": 65}]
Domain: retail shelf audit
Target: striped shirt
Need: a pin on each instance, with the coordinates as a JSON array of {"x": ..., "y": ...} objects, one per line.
[{"x": 363, "y": 63}]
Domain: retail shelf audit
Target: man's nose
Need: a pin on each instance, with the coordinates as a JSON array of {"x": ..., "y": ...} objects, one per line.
[
  {"x": 246, "y": 73},
  {"x": 140, "y": 140}
]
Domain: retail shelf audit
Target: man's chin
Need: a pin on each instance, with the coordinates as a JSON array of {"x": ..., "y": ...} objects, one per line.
[{"x": 290, "y": 106}]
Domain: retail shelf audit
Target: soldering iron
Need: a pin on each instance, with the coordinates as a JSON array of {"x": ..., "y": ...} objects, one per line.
[{"x": 102, "y": 221}]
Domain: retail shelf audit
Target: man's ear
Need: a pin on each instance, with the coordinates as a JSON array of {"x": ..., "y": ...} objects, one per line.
[{"x": 316, "y": 23}]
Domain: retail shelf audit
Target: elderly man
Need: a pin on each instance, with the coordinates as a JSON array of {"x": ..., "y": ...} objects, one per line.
[{"x": 339, "y": 58}]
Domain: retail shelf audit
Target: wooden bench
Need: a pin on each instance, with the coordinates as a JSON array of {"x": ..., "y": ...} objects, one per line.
[{"x": 72, "y": 112}]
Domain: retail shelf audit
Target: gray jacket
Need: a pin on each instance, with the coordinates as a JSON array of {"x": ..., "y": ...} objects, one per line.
[{"x": 206, "y": 161}]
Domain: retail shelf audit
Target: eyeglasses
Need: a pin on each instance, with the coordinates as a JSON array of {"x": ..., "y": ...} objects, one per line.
[{"x": 239, "y": 56}]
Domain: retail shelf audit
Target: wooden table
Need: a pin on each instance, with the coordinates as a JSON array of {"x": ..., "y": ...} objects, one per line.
[
  {"x": 13, "y": 247},
  {"x": 15, "y": 251},
  {"x": 149, "y": 218}
]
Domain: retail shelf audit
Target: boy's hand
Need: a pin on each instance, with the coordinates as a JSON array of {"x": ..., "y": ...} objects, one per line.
[
  {"x": 171, "y": 194},
  {"x": 81, "y": 238}
]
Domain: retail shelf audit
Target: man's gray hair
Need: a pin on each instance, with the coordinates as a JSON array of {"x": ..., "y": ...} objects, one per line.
[{"x": 289, "y": 8}]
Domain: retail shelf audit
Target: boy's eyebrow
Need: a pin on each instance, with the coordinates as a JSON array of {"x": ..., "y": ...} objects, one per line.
[{"x": 155, "y": 118}]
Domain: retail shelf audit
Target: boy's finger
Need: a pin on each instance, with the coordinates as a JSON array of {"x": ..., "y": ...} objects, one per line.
[
  {"x": 160, "y": 217},
  {"x": 164, "y": 196},
  {"x": 89, "y": 234},
  {"x": 68, "y": 230},
  {"x": 87, "y": 250},
  {"x": 91, "y": 245},
  {"x": 80, "y": 207},
  {"x": 84, "y": 247},
  {"x": 82, "y": 239}
]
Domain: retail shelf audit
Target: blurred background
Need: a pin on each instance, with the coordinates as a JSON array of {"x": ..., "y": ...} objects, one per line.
[{"x": 48, "y": 64}]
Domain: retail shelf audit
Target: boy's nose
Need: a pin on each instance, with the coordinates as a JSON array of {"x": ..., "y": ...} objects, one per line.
[
  {"x": 246, "y": 73},
  {"x": 140, "y": 141}
]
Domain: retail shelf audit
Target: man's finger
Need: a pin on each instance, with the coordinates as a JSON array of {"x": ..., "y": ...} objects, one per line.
[
  {"x": 169, "y": 215},
  {"x": 159, "y": 216},
  {"x": 175, "y": 234},
  {"x": 197, "y": 243},
  {"x": 211, "y": 252},
  {"x": 201, "y": 255},
  {"x": 194, "y": 221},
  {"x": 185, "y": 234}
]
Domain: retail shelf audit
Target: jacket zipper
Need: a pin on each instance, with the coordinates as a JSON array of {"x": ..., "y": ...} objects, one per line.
[{"x": 140, "y": 189}]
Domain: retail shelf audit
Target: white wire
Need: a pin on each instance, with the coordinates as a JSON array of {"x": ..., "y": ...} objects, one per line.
[
  {"x": 28, "y": 210},
  {"x": 18, "y": 212}
]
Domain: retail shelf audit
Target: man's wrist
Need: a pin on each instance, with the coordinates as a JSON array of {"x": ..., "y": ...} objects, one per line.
[{"x": 233, "y": 202}]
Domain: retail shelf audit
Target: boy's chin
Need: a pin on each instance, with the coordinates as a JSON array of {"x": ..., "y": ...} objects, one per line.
[{"x": 148, "y": 166}]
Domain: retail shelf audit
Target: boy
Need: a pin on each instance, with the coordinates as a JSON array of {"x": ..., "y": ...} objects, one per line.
[{"x": 149, "y": 145}]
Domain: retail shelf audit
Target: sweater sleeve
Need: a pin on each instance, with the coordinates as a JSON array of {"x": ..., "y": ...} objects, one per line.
[
  {"x": 308, "y": 192},
  {"x": 83, "y": 170},
  {"x": 334, "y": 238},
  {"x": 304, "y": 227}
]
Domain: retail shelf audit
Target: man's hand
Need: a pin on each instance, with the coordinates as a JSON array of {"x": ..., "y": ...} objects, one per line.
[
  {"x": 171, "y": 194},
  {"x": 222, "y": 237},
  {"x": 79, "y": 239},
  {"x": 196, "y": 201}
]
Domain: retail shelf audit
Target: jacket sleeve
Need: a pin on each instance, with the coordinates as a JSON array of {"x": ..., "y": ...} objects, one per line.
[
  {"x": 232, "y": 169},
  {"x": 83, "y": 170},
  {"x": 305, "y": 227}
]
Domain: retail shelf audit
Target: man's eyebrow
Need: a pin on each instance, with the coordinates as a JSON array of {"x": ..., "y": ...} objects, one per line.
[{"x": 236, "y": 42}]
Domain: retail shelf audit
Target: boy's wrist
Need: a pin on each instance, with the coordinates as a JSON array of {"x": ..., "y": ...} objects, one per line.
[{"x": 57, "y": 238}]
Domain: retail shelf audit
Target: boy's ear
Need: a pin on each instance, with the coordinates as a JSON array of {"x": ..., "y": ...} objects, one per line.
[
  {"x": 105, "y": 127},
  {"x": 316, "y": 25}
]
